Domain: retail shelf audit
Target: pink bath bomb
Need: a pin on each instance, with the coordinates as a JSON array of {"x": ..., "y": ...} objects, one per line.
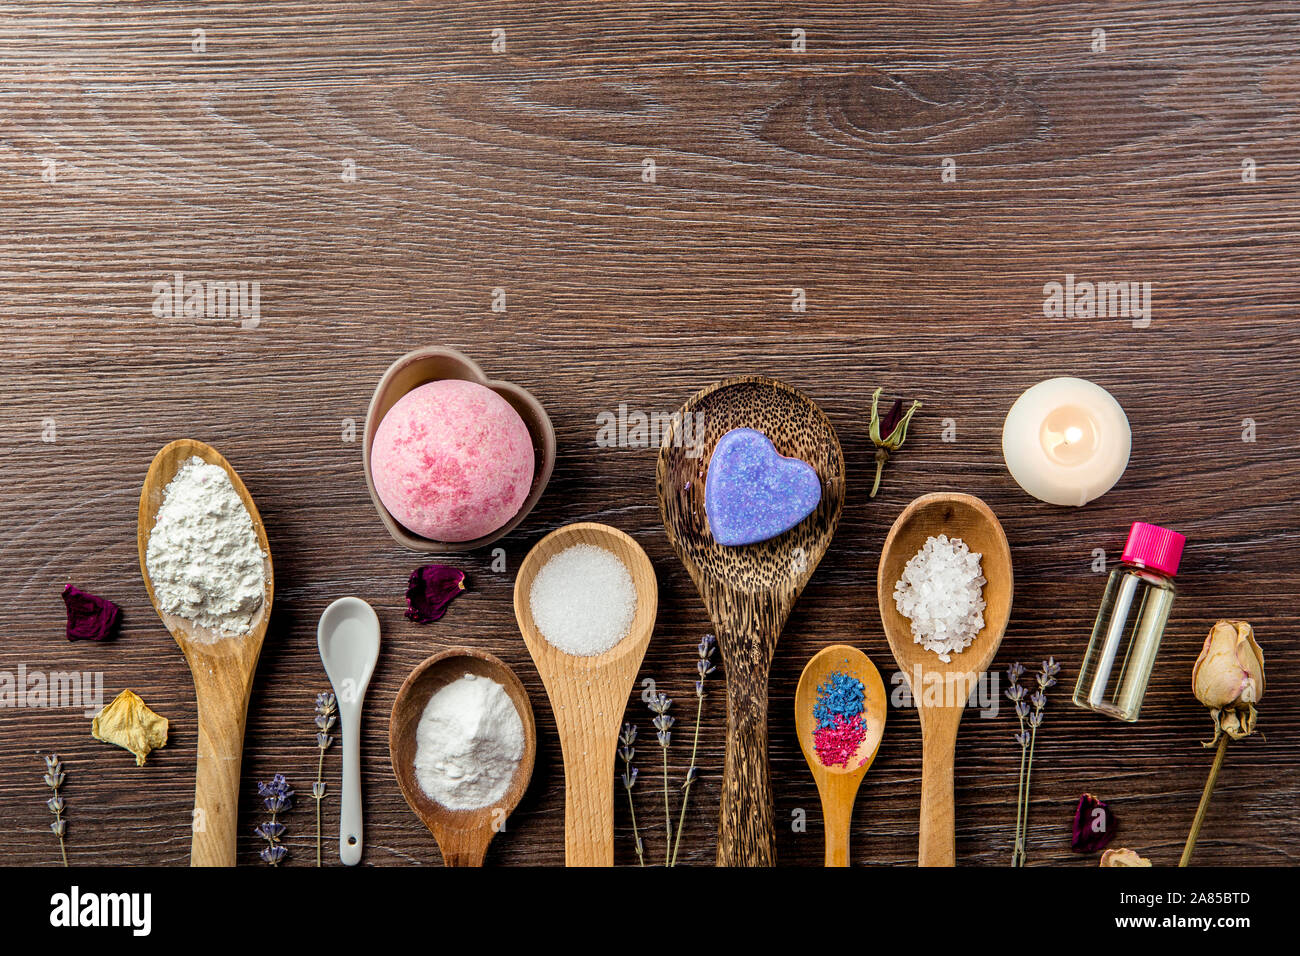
[{"x": 452, "y": 460}]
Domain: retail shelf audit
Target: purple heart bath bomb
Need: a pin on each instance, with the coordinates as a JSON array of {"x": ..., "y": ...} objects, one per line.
[{"x": 752, "y": 492}]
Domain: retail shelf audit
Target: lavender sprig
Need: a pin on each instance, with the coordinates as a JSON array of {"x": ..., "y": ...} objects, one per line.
[
  {"x": 703, "y": 667},
  {"x": 1031, "y": 712},
  {"x": 326, "y": 717},
  {"x": 277, "y": 797},
  {"x": 1016, "y": 694},
  {"x": 627, "y": 750},
  {"x": 53, "y": 778},
  {"x": 663, "y": 722}
]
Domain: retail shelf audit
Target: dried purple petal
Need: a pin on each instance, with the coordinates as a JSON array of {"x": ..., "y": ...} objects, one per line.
[
  {"x": 90, "y": 617},
  {"x": 430, "y": 590},
  {"x": 1094, "y": 825}
]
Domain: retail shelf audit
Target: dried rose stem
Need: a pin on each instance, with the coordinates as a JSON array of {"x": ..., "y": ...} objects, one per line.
[{"x": 1205, "y": 801}]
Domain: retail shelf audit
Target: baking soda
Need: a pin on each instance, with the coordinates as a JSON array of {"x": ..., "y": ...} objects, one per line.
[{"x": 468, "y": 744}]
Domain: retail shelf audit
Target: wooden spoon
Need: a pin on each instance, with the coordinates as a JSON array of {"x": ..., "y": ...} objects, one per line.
[
  {"x": 838, "y": 786},
  {"x": 462, "y": 835},
  {"x": 968, "y": 518},
  {"x": 222, "y": 667},
  {"x": 748, "y": 591},
  {"x": 589, "y": 694}
]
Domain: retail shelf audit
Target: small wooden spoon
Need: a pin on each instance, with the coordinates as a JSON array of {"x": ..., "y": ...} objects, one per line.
[
  {"x": 968, "y": 518},
  {"x": 462, "y": 835},
  {"x": 222, "y": 667},
  {"x": 748, "y": 591},
  {"x": 838, "y": 786},
  {"x": 589, "y": 694}
]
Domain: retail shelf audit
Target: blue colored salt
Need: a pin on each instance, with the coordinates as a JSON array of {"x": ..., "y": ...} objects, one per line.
[{"x": 752, "y": 492}]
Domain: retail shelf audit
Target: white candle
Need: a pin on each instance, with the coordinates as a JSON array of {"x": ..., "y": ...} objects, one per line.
[{"x": 1066, "y": 441}]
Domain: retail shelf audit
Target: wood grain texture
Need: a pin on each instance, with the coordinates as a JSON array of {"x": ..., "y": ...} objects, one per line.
[
  {"x": 774, "y": 170},
  {"x": 750, "y": 591}
]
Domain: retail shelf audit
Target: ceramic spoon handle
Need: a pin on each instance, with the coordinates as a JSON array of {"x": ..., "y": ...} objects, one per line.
[
  {"x": 747, "y": 831},
  {"x": 350, "y": 816}
]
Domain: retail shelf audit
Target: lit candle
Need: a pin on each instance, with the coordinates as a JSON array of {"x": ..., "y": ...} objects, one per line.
[{"x": 1066, "y": 441}]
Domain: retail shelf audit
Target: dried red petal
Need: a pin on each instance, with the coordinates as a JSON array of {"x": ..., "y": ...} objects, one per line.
[
  {"x": 90, "y": 617},
  {"x": 1094, "y": 825},
  {"x": 430, "y": 590}
]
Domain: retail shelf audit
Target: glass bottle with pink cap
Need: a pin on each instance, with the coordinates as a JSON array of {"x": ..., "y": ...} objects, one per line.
[{"x": 1134, "y": 609}]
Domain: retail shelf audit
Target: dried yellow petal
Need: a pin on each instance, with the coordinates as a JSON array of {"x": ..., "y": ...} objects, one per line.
[{"x": 128, "y": 722}]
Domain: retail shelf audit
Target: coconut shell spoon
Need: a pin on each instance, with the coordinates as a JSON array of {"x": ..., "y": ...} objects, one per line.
[
  {"x": 939, "y": 690},
  {"x": 838, "y": 785},
  {"x": 749, "y": 590},
  {"x": 222, "y": 666}
]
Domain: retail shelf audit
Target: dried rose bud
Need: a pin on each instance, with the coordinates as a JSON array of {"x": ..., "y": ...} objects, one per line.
[
  {"x": 1123, "y": 856},
  {"x": 1228, "y": 678},
  {"x": 888, "y": 433},
  {"x": 1094, "y": 825},
  {"x": 430, "y": 590},
  {"x": 90, "y": 617}
]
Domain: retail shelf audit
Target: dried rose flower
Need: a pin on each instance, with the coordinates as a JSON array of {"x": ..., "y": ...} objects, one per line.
[
  {"x": 1094, "y": 825},
  {"x": 430, "y": 590},
  {"x": 129, "y": 723},
  {"x": 1228, "y": 678},
  {"x": 90, "y": 617},
  {"x": 1123, "y": 856}
]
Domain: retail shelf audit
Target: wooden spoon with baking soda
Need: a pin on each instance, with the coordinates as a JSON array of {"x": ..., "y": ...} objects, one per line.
[
  {"x": 838, "y": 785},
  {"x": 222, "y": 666},
  {"x": 462, "y": 835},
  {"x": 589, "y": 694},
  {"x": 939, "y": 690}
]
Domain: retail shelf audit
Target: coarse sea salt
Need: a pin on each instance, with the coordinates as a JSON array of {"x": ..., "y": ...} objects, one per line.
[
  {"x": 941, "y": 593},
  {"x": 583, "y": 600}
]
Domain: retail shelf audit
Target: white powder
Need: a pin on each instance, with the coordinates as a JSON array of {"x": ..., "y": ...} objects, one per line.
[
  {"x": 583, "y": 600},
  {"x": 468, "y": 743},
  {"x": 941, "y": 592},
  {"x": 204, "y": 561}
]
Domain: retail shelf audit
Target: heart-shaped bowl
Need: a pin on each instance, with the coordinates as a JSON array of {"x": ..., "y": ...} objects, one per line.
[{"x": 436, "y": 364}]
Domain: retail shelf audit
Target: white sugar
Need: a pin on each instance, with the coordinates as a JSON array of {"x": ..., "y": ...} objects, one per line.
[
  {"x": 941, "y": 592},
  {"x": 583, "y": 600}
]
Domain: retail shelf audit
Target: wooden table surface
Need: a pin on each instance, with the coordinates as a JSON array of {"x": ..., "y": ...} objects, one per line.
[{"x": 132, "y": 148}]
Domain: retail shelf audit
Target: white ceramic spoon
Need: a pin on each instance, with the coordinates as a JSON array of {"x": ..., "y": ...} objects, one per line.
[{"x": 348, "y": 638}]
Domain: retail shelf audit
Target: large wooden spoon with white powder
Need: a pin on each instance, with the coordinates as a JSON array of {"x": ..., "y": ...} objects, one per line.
[
  {"x": 222, "y": 666},
  {"x": 939, "y": 689}
]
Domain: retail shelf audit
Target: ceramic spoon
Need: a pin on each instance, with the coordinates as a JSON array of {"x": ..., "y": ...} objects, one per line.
[
  {"x": 748, "y": 591},
  {"x": 222, "y": 667},
  {"x": 462, "y": 835},
  {"x": 944, "y": 688},
  {"x": 589, "y": 694},
  {"x": 348, "y": 638},
  {"x": 838, "y": 785}
]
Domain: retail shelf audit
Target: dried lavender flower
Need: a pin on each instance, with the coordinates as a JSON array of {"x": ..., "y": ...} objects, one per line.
[
  {"x": 326, "y": 717},
  {"x": 54, "y": 777},
  {"x": 627, "y": 750},
  {"x": 277, "y": 797}
]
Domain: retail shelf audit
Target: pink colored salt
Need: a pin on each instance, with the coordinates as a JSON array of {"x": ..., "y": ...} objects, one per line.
[{"x": 452, "y": 460}]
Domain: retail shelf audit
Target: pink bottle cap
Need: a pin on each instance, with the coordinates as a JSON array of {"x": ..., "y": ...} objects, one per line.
[{"x": 1151, "y": 546}]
